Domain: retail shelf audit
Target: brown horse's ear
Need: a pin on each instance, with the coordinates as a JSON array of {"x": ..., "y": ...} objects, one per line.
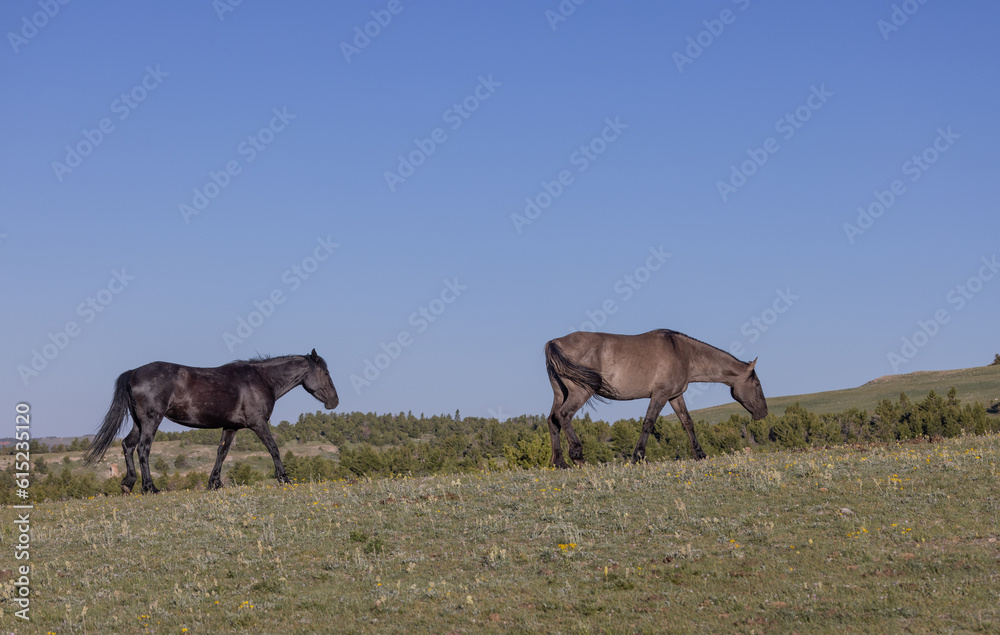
[{"x": 752, "y": 364}]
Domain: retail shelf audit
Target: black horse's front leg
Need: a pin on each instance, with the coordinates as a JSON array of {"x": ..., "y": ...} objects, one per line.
[
  {"x": 215, "y": 480},
  {"x": 263, "y": 431}
]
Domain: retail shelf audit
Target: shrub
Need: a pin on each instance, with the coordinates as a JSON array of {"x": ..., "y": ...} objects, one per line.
[{"x": 242, "y": 473}]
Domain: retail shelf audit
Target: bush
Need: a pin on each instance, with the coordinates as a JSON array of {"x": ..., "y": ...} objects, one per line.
[
  {"x": 532, "y": 451},
  {"x": 242, "y": 473}
]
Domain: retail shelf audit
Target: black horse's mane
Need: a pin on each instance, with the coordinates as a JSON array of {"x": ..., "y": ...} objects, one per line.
[{"x": 262, "y": 358}]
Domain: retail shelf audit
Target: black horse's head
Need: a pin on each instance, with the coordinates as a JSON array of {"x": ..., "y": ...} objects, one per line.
[
  {"x": 318, "y": 383},
  {"x": 746, "y": 390}
]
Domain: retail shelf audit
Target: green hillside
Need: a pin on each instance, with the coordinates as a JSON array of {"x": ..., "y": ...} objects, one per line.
[
  {"x": 972, "y": 384},
  {"x": 893, "y": 538}
]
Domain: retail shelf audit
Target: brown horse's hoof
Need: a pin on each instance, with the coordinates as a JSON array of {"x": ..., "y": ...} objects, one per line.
[{"x": 126, "y": 490}]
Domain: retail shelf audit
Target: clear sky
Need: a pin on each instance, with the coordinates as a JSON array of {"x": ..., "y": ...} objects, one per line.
[{"x": 479, "y": 178}]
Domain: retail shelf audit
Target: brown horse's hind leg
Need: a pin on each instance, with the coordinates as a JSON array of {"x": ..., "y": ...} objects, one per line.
[
  {"x": 677, "y": 403},
  {"x": 656, "y": 404},
  {"x": 561, "y": 418}
]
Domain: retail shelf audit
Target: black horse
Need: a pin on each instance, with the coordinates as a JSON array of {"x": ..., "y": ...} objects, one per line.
[
  {"x": 238, "y": 395},
  {"x": 657, "y": 366}
]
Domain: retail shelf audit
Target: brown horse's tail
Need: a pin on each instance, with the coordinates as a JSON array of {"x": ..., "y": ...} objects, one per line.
[
  {"x": 561, "y": 367},
  {"x": 122, "y": 405}
]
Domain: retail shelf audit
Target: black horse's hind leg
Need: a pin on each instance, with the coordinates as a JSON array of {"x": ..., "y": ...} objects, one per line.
[
  {"x": 215, "y": 480},
  {"x": 128, "y": 447},
  {"x": 263, "y": 431},
  {"x": 656, "y": 404},
  {"x": 147, "y": 431},
  {"x": 677, "y": 403}
]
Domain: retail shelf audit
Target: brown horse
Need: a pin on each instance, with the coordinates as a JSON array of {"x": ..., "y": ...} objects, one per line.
[
  {"x": 238, "y": 395},
  {"x": 657, "y": 366}
]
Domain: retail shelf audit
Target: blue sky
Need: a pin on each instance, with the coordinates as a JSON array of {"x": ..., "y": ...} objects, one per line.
[{"x": 694, "y": 168}]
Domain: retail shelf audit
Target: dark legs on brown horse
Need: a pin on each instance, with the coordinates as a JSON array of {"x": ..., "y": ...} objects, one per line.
[
  {"x": 677, "y": 403},
  {"x": 561, "y": 418},
  {"x": 656, "y": 404}
]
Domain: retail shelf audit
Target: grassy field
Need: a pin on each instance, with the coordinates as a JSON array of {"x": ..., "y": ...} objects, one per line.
[
  {"x": 972, "y": 384},
  {"x": 898, "y": 538}
]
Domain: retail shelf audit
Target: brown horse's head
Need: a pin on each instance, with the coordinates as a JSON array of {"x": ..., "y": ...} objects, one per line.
[
  {"x": 318, "y": 382},
  {"x": 747, "y": 391}
]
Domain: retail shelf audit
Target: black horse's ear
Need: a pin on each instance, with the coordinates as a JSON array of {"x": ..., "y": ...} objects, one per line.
[{"x": 314, "y": 355}]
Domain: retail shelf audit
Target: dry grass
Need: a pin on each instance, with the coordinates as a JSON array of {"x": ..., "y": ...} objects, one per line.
[{"x": 884, "y": 539}]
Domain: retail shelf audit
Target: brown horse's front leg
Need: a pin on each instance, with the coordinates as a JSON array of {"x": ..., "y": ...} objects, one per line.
[{"x": 677, "y": 403}]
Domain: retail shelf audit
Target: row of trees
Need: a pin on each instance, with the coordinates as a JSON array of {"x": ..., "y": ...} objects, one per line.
[
  {"x": 379, "y": 445},
  {"x": 40, "y": 447}
]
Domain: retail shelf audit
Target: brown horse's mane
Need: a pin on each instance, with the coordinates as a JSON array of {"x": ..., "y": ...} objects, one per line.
[{"x": 669, "y": 333}]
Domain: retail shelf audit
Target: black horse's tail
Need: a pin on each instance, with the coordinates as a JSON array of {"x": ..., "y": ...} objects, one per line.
[
  {"x": 561, "y": 367},
  {"x": 122, "y": 405}
]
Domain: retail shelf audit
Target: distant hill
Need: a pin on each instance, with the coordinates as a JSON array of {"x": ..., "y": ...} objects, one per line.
[
  {"x": 49, "y": 441},
  {"x": 972, "y": 384}
]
